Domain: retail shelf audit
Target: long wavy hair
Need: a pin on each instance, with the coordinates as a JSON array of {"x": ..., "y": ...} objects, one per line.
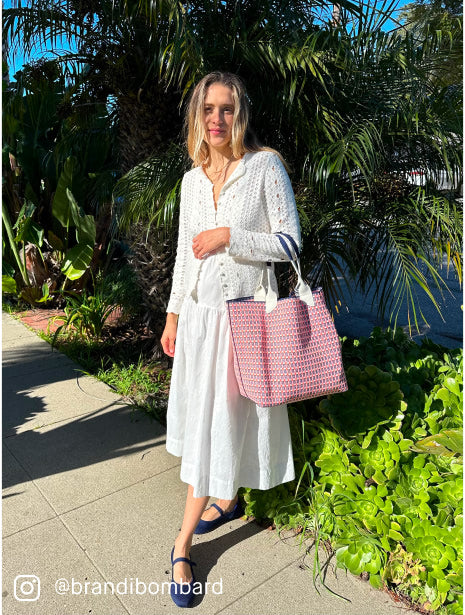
[{"x": 243, "y": 139}]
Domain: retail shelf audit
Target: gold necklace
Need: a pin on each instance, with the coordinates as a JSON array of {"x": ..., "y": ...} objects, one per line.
[{"x": 220, "y": 171}]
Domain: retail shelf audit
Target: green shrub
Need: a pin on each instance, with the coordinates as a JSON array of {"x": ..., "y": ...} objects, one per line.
[
  {"x": 119, "y": 286},
  {"x": 85, "y": 315},
  {"x": 380, "y": 470}
]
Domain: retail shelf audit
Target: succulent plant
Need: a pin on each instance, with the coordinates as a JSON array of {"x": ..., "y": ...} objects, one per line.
[
  {"x": 380, "y": 474},
  {"x": 361, "y": 555},
  {"x": 451, "y": 493},
  {"x": 373, "y": 398},
  {"x": 402, "y": 567}
]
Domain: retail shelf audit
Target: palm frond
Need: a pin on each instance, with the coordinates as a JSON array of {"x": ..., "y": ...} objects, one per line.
[
  {"x": 149, "y": 192},
  {"x": 409, "y": 255},
  {"x": 44, "y": 22}
]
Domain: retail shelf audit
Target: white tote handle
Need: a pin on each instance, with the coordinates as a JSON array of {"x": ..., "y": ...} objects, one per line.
[
  {"x": 269, "y": 296},
  {"x": 302, "y": 290}
]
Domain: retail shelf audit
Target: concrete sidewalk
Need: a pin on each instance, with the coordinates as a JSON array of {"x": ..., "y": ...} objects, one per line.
[{"x": 90, "y": 494}]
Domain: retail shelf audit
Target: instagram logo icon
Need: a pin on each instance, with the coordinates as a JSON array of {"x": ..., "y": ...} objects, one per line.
[{"x": 27, "y": 587}]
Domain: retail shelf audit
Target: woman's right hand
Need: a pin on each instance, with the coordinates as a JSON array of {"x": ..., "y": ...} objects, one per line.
[{"x": 169, "y": 334}]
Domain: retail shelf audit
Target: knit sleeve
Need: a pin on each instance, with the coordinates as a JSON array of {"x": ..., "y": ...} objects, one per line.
[
  {"x": 282, "y": 217},
  {"x": 179, "y": 273}
]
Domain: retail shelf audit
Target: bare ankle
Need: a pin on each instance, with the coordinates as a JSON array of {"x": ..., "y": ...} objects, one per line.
[
  {"x": 183, "y": 543},
  {"x": 228, "y": 505}
]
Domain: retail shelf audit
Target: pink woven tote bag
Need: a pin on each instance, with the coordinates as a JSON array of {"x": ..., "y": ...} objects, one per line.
[{"x": 285, "y": 349}]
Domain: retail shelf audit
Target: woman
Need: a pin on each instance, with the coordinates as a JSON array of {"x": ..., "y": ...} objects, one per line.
[{"x": 233, "y": 200}]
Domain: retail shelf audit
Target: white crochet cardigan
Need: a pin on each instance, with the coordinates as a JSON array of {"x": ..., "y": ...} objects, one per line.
[{"x": 256, "y": 201}]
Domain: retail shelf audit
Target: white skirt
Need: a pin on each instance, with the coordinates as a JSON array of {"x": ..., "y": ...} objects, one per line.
[{"x": 225, "y": 440}]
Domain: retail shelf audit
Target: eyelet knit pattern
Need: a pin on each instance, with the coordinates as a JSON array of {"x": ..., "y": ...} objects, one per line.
[{"x": 256, "y": 201}]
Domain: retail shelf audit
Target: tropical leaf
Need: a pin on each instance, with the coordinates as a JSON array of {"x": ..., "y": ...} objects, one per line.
[
  {"x": 8, "y": 284},
  {"x": 62, "y": 204},
  {"x": 77, "y": 260},
  {"x": 448, "y": 442}
]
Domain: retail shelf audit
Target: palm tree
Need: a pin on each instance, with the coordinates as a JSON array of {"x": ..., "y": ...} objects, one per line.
[
  {"x": 419, "y": 18},
  {"x": 352, "y": 108},
  {"x": 114, "y": 65},
  {"x": 117, "y": 54},
  {"x": 142, "y": 58}
]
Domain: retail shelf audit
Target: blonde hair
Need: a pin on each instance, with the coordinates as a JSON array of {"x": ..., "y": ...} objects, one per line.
[{"x": 243, "y": 139}]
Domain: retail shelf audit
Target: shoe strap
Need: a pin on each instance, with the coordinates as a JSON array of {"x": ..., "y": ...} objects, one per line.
[
  {"x": 218, "y": 509},
  {"x": 184, "y": 559}
]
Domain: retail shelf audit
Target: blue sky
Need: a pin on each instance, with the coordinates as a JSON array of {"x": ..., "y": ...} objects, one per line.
[{"x": 19, "y": 60}]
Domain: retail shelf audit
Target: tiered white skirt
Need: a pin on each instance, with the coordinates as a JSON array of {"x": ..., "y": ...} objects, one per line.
[{"x": 225, "y": 440}]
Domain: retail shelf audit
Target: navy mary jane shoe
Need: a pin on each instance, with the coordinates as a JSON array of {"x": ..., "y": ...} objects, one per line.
[
  {"x": 207, "y": 526},
  {"x": 182, "y": 593}
]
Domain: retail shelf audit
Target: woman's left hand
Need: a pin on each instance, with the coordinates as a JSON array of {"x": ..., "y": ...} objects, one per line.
[{"x": 208, "y": 242}]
